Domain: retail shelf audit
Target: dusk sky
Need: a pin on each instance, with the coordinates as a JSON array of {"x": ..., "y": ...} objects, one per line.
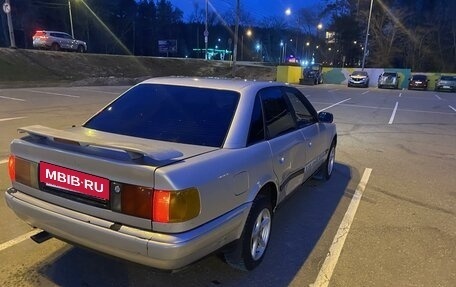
[{"x": 257, "y": 8}]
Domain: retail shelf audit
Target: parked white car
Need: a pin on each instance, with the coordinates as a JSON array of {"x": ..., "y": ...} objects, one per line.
[{"x": 56, "y": 41}]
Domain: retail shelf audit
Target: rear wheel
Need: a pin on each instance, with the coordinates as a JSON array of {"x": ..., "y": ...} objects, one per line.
[
  {"x": 249, "y": 250},
  {"x": 55, "y": 47},
  {"x": 80, "y": 49},
  {"x": 327, "y": 168}
]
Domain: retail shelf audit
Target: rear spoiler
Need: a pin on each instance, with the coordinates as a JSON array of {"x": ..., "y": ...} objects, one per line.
[{"x": 88, "y": 137}]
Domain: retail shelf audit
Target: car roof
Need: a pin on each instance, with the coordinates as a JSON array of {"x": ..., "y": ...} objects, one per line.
[
  {"x": 48, "y": 31},
  {"x": 213, "y": 83}
]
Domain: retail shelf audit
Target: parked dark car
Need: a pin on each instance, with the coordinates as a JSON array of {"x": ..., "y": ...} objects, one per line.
[
  {"x": 358, "y": 79},
  {"x": 446, "y": 83},
  {"x": 418, "y": 82},
  {"x": 312, "y": 75},
  {"x": 388, "y": 80}
]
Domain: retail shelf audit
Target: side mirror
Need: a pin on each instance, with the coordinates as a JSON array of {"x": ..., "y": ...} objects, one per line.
[{"x": 325, "y": 117}]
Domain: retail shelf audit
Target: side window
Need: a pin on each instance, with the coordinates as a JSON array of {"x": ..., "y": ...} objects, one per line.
[
  {"x": 303, "y": 112},
  {"x": 256, "y": 131},
  {"x": 277, "y": 116}
]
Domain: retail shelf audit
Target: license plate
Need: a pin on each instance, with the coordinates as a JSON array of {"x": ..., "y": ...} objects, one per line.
[
  {"x": 73, "y": 180},
  {"x": 446, "y": 87}
]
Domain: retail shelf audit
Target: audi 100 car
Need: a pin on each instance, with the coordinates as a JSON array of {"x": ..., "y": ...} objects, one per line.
[
  {"x": 358, "y": 79},
  {"x": 173, "y": 169}
]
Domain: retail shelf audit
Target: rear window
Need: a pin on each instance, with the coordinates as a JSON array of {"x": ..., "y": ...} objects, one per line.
[
  {"x": 189, "y": 115},
  {"x": 448, "y": 78},
  {"x": 389, "y": 74}
]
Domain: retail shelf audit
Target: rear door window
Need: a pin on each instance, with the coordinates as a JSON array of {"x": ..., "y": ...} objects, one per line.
[{"x": 277, "y": 115}]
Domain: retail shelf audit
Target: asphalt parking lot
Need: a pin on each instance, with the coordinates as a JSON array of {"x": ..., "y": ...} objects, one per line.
[{"x": 386, "y": 218}]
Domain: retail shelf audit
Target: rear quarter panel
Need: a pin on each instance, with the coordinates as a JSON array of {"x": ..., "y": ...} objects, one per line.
[{"x": 226, "y": 179}]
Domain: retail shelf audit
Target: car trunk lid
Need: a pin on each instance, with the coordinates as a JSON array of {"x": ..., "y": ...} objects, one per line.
[{"x": 80, "y": 168}]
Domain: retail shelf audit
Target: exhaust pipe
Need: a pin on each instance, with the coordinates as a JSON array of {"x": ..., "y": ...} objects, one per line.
[{"x": 41, "y": 237}]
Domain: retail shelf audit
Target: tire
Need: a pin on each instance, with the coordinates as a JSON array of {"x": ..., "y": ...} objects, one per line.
[
  {"x": 249, "y": 250},
  {"x": 55, "y": 47},
  {"x": 80, "y": 49},
  {"x": 328, "y": 166}
]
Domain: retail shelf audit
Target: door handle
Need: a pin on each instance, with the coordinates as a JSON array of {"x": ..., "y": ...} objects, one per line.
[{"x": 282, "y": 160}]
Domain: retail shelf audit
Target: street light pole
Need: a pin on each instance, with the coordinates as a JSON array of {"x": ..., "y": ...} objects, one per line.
[
  {"x": 71, "y": 18},
  {"x": 206, "y": 34},
  {"x": 367, "y": 36},
  {"x": 7, "y": 10},
  {"x": 236, "y": 35}
]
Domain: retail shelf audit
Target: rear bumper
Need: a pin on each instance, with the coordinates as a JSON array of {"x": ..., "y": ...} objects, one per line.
[
  {"x": 413, "y": 87},
  {"x": 158, "y": 250},
  {"x": 446, "y": 88},
  {"x": 385, "y": 86}
]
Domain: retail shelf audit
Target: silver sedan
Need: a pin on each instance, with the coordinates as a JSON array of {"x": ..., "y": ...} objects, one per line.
[{"x": 173, "y": 169}]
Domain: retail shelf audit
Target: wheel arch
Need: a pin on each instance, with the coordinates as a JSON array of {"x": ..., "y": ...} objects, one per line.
[{"x": 270, "y": 191}]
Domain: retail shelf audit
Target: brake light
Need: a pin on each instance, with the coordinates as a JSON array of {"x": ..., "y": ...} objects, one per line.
[
  {"x": 157, "y": 205},
  {"x": 175, "y": 206},
  {"x": 12, "y": 167},
  {"x": 136, "y": 200},
  {"x": 23, "y": 171},
  {"x": 161, "y": 206}
]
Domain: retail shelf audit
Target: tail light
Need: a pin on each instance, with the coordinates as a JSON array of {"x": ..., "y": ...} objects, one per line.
[
  {"x": 175, "y": 206},
  {"x": 23, "y": 171},
  {"x": 158, "y": 205},
  {"x": 12, "y": 167}
]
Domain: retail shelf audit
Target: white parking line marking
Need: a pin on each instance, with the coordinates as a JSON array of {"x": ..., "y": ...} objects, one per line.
[
  {"x": 3, "y": 161},
  {"x": 365, "y": 92},
  {"x": 335, "y": 105},
  {"x": 54, "y": 94},
  {"x": 10, "y": 119},
  {"x": 393, "y": 114},
  {"x": 103, "y": 92},
  {"x": 452, "y": 108},
  {"x": 326, "y": 271},
  {"x": 438, "y": 97},
  {"x": 13, "y": 99},
  {"x": 331, "y": 91},
  {"x": 382, "y": 108},
  {"x": 19, "y": 239},
  {"x": 400, "y": 95}
]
